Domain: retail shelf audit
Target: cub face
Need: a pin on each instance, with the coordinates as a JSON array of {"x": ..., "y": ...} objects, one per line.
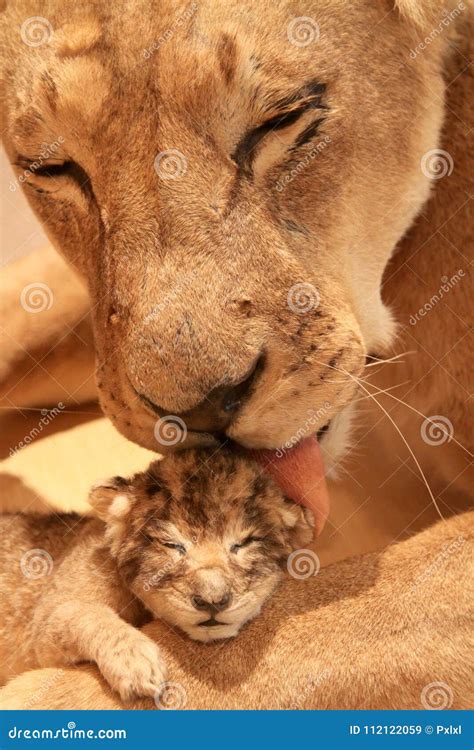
[{"x": 201, "y": 539}]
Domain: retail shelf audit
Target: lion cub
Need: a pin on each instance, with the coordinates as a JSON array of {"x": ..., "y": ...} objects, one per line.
[{"x": 198, "y": 540}]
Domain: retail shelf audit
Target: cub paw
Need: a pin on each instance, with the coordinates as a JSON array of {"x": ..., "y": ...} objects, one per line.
[{"x": 134, "y": 668}]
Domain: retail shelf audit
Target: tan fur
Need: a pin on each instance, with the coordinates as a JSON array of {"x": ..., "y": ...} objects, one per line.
[
  {"x": 192, "y": 526},
  {"x": 224, "y": 218},
  {"x": 388, "y": 116},
  {"x": 370, "y": 632}
]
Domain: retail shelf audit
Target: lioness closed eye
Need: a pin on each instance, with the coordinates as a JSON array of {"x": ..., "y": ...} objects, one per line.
[{"x": 198, "y": 540}]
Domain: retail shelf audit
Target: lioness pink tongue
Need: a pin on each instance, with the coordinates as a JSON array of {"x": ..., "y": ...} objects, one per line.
[{"x": 299, "y": 472}]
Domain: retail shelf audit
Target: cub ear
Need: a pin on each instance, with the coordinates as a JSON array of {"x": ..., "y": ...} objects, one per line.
[
  {"x": 111, "y": 499},
  {"x": 299, "y": 523},
  {"x": 302, "y": 532}
]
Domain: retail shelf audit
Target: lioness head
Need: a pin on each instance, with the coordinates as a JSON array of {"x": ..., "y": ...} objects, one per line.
[
  {"x": 231, "y": 179},
  {"x": 201, "y": 539}
]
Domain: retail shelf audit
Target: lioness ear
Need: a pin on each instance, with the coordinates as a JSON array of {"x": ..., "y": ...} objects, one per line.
[{"x": 111, "y": 499}]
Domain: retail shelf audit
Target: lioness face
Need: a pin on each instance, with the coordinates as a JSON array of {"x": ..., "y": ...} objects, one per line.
[
  {"x": 201, "y": 539},
  {"x": 231, "y": 192}
]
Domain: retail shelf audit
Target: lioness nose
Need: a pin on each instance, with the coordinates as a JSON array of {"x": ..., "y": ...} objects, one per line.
[
  {"x": 215, "y": 412},
  {"x": 211, "y": 606}
]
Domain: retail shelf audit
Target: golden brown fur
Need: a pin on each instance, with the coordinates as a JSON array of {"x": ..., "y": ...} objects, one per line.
[
  {"x": 197, "y": 538},
  {"x": 439, "y": 374},
  {"x": 225, "y": 218},
  {"x": 370, "y": 632}
]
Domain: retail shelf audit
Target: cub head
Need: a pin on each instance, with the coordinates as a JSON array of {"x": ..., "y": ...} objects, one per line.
[{"x": 201, "y": 539}]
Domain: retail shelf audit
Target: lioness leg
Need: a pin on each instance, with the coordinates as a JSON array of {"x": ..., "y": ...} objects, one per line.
[{"x": 47, "y": 339}]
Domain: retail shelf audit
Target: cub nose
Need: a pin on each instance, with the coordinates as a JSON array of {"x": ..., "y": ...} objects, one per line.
[
  {"x": 211, "y": 606},
  {"x": 216, "y": 411}
]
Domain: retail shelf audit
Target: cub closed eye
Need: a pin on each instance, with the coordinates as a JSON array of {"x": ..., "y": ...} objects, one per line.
[
  {"x": 245, "y": 543},
  {"x": 174, "y": 545}
]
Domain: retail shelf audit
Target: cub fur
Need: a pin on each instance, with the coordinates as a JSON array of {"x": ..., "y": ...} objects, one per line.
[{"x": 198, "y": 540}]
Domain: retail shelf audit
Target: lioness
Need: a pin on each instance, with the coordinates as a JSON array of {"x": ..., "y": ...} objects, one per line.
[
  {"x": 198, "y": 540},
  {"x": 233, "y": 193}
]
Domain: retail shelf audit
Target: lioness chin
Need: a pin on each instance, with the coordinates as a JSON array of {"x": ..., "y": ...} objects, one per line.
[{"x": 198, "y": 541}]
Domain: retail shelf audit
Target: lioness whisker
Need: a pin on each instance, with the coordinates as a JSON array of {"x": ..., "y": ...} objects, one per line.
[{"x": 388, "y": 415}]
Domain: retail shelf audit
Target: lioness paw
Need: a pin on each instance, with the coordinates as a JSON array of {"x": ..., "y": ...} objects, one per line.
[{"x": 134, "y": 668}]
